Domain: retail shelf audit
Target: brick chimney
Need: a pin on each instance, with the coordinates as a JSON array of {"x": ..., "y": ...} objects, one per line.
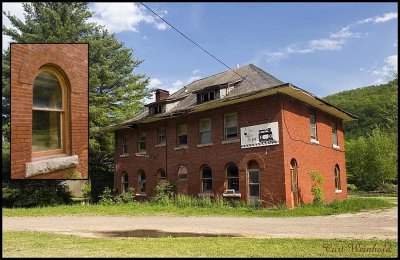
[{"x": 161, "y": 94}]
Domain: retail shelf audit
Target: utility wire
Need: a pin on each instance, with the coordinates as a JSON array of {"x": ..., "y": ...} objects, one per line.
[{"x": 148, "y": 8}]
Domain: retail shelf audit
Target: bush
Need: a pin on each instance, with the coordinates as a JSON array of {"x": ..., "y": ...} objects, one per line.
[
  {"x": 35, "y": 194},
  {"x": 87, "y": 191},
  {"x": 164, "y": 194},
  {"x": 107, "y": 198},
  {"x": 316, "y": 188},
  {"x": 351, "y": 187},
  {"x": 387, "y": 188}
]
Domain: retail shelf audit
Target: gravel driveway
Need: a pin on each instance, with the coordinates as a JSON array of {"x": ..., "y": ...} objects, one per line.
[{"x": 381, "y": 224}]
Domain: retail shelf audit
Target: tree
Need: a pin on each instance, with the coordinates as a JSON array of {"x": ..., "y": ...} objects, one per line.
[
  {"x": 372, "y": 160},
  {"x": 115, "y": 91}
]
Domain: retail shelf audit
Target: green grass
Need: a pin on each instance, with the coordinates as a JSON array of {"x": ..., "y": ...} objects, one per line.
[
  {"x": 40, "y": 244},
  {"x": 135, "y": 209}
]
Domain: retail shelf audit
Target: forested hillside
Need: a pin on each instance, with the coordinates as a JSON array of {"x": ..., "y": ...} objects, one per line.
[{"x": 374, "y": 105}]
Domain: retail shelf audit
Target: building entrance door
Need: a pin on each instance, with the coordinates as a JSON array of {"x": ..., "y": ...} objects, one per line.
[
  {"x": 254, "y": 185},
  {"x": 294, "y": 180}
]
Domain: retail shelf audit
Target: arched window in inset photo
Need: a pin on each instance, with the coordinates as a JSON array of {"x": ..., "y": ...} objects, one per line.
[
  {"x": 49, "y": 113},
  {"x": 182, "y": 173},
  {"x": 206, "y": 179},
  {"x": 338, "y": 186},
  {"x": 124, "y": 182},
  {"x": 141, "y": 182}
]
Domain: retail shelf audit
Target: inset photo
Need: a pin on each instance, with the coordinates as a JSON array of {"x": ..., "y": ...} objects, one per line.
[{"x": 49, "y": 111}]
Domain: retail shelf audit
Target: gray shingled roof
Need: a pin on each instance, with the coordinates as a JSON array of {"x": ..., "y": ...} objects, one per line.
[{"x": 254, "y": 79}]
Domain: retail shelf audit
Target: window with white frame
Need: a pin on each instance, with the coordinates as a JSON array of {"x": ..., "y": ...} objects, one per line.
[
  {"x": 206, "y": 179},
  {"x": 161, "y": 174},
  {"x": 124, "y": 145},
  {"x": 313, "y": 127},
  {"x": 161, "y": 136},
  {"x": 181, "y": 133},
  {"x": 124, "y": 182},
  {"x": 232, "y": 176},
  {"x": 338, "y": 185},
  {"x": 334, "y": 135},
  {"x": 141, "y": 181},
  {"x": 142, "y": 142},
  {"x": 205, "y": 131},
  {"x": 230, "y": 126}
]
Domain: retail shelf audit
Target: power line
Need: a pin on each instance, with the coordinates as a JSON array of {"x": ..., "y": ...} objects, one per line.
[{"x": 148, "y": 8}]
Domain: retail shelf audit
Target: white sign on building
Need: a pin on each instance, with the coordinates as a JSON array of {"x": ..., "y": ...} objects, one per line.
[{"x": 259, "y": 135}]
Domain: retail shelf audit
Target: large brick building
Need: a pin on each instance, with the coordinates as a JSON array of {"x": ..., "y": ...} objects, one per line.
[
  {"x": 240, "y": 134},
  {"x": 49, "y": 111}
]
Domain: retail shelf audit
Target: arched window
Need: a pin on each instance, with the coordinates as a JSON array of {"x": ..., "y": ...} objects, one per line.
[
  {"x": 206, "y": 179},
  {"x": 142, "y": 181},
  {"x": 124, "y": 182},
  {"x": 337, "y": 178},
  {"x": 182, "y": 173},
  {"x": 232, "y": 176},
  {"x": 161, "y": 174},
  {"x": 49, "y": 113}
]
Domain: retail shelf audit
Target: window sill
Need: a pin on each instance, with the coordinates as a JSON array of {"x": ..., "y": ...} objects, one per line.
[
  {"x": 338, "y": 191},
  {"x": 204, "y": 145},
  {"x": 231, "y": 195},
  {"x": 141, "y": 195},
  {"x": 42, "y": 166},
  {"x": 230, "y": 141},
  {"x": 124, "y": 155},
  {"x": 160, "y": 145},
  {"x": 313, "y": 141},
  {"x": 181, "y": 147},
  {"x": 336, "y": 147},
  {"x": 141, "y": 155},
  {"x": 205, "y": 194}
]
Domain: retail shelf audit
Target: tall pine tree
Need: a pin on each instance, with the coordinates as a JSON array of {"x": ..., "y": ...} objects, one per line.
[{"x": 115, "y": 91}]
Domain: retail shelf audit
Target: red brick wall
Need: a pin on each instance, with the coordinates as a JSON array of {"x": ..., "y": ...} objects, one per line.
[
  {"x": 26, "y": 60},
  {"x": 271, "y": 159},
  {"x": 321, "y": 158}
]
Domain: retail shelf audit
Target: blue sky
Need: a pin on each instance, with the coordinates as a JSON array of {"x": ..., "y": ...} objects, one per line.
[{"x": 321, "y": 47}]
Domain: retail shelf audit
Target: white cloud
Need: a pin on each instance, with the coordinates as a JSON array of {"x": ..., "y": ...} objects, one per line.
[
  {"x": 387, "y": 70},
  {"x": 336, "y": 41},
  {"x": 379, "y": 19},
  {"x": 119, "y": 17},
  {"x": 145, "y": 37},
  {"x": 345, "y": 33},
  {"x": 177, "y": 83},
  {"x": 196, "y": 71},
  {"x": 14, "y": 9}
]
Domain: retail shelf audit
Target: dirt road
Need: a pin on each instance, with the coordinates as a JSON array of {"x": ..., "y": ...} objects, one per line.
[{"x": 380, "y": 224}]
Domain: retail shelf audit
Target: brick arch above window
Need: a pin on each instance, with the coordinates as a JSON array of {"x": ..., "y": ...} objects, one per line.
[
  {"x": 46, "y": 55},
  {"x": 251, "y": 157}
]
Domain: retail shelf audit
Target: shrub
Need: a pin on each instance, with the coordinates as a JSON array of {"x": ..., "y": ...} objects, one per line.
[
  {"x": 164, "y": 193},
  {"x": 106, "y": 198},
  {"x": 87, "y": 191},
  {"x": 35, "y": 194},
  {"x": 126, "y": 197},
  {"x": 316, "y": 188},
  {"x": 351, "y": 187}
]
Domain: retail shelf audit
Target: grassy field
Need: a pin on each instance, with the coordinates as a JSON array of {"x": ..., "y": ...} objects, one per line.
[
  {"x": 37, "y": 244},
  {"x": 134, "y": 209}
]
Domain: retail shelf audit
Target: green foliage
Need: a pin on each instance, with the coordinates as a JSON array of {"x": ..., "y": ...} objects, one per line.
[
  {"x": 35, "y": 194},
  {"x": 87, "y": 192},
  {"x": 374, "y": 105},
  {"x": 74, "y": 175},
  {"x": 164, "y": 193},
  {"x": 372, "y": 160},
  {"x": 107, "y": 197},
  {"x": 115, "y": 90},
  {"x": 316, "y": 189}
]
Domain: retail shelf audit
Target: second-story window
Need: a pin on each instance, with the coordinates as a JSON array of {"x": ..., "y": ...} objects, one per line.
[
  {"x": 124, "y": 145},
  {"x": 205, "y": 131},
  {"x": 181, "y": 133},
  {"x": 334, "y": 135},
  {"x": 142, "y": 142},
  {"x": 313, "y": 127},
  {"x": 230, "y": 125},
  {"x": 161, "y": 136}
]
